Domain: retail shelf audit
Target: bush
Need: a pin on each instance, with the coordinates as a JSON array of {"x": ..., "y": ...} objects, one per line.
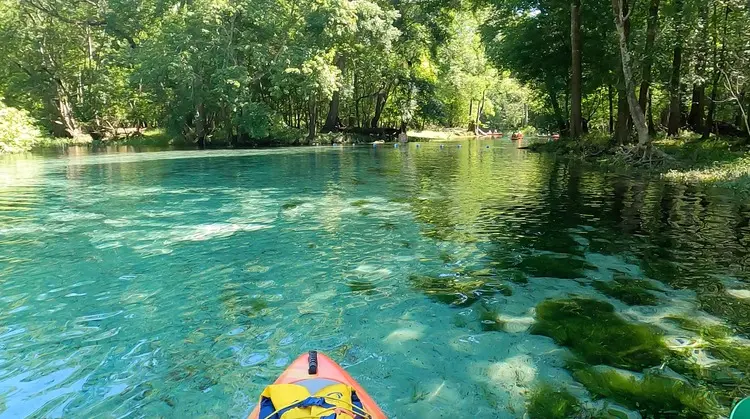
[{"x": 18, "y": 131}]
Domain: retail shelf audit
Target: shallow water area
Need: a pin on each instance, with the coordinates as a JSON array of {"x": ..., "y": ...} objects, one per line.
[{"x": 180, "y": 283}]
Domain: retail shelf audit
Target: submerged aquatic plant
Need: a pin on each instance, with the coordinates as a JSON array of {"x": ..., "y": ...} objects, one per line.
[
  {"x": 593, "y": 331},
  {"x": 458, "y": 290},
  {"x": 554, "y": 266},
  {"x": 631, "y": 293},
  {"x": 291, "y": 204},
  {"x": 721, "y": 304},
  {"x": 519, "y": 277},
  {"x": 361, "y": 286},
  {"x": 654, "y": 394},
  {"x": 417, "y": 394},
  {"x": 360, "y": 203},
  {"x": 548, "y": 402},
  {"x": 701, "y": 329},
  {"x": 490, "y": 319},
  {"x": 727, "y": 371}
]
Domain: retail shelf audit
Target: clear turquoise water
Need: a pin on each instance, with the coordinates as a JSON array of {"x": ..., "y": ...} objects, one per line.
[{"x": 180, "y": 283}]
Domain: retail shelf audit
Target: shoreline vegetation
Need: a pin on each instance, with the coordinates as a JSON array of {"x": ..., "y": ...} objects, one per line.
[{"x": 689, "y": 159}]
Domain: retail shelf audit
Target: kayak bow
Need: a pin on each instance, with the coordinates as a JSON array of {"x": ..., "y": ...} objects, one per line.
[{"x": 314, "y": 386}]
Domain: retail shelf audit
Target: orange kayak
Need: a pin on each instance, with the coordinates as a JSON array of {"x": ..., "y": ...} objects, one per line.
[{"x": 315, "y": 371}]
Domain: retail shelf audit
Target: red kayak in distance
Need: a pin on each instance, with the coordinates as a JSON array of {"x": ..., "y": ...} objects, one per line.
[{"x": 315, "y": 386}]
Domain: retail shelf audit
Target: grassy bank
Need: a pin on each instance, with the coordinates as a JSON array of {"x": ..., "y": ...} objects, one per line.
[
  {"x": 717, "y": 161},
  {"x": 445, "y": 134}
]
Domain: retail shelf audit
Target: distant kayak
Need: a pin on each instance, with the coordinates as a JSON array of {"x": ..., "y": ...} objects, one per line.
[{"x": 314, "y": 386}]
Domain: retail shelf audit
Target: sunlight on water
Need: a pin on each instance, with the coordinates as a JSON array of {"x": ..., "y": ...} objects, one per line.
[{"x": 181, "y": 283}]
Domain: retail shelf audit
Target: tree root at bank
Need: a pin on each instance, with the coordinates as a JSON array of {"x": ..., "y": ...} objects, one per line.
[{"x": 634, "y": 155}]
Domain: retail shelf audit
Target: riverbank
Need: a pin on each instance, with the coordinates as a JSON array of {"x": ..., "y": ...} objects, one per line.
[
  {"x": 719, "y": 161},
  {"x": 161, "y": 138}
]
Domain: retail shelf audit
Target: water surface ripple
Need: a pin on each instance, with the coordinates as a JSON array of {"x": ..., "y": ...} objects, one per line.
[{"x": 180, "y": 283}]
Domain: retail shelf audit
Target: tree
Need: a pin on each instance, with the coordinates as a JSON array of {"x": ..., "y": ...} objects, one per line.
[
  {"x": 639, "y": 118},
  {"x": 675, "y": 114},
  {"x": 648, "y": 59},
  {"x": 576, "y": 127}
]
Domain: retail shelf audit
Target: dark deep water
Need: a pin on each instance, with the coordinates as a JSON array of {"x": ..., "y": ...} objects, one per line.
[{"x": 447, "y": 280}]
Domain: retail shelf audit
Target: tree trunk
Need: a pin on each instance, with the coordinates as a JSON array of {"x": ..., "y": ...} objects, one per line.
[
  {"x": 639, "y": 119},
  {"x": 610, "y": 96},
  {"x": 64, "y": 123},
  {"x": 697, "y": 107},
  {"x": 313, "y": 118},
  {"x": 675, "y": 115},
  {"x": 561, "y": 123},
  {"x": 698, "y": 102},
  {"x": 718, "y": 64},
  {"x": 576, "y": 124},
  {"x": 380, "y": 101},
  {"x": 332, "y": 119},
  {"x": 708, "y": 127},
  {"x": 648, "y": 60},
  {"x": 650, "y": 115},
  {"x": 200, "y": 125},
  {"x": 622, "y": 126},
  {"x": 740, "y": 117},
  {"x": 525, "y": 114},
  {"x": 480, "y": 109}
]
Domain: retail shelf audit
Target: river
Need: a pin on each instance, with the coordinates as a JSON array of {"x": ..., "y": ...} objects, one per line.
[{"x": 180, "y": 283}]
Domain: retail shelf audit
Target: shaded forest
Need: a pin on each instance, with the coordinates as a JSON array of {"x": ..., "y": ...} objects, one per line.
[{"x": 242, "y": 72}]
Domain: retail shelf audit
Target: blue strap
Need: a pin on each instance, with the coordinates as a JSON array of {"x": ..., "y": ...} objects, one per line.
[
  {"x": 358, "y": 403},
  {"x": 308, "y": 402}
]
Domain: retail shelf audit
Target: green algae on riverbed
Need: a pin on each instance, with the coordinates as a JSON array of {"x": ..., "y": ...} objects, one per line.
[
  {"x": 458, "y": 291},
  {"x": 652, "y": 393},
  {"x": 548, "y": 402},
  {"x": 632, "y": 293},
  {"x": 593, "y": 331},
  {"x": 728, "y": 371},
  {"x": 554, "y": 266},
  {"x": 489, "y": 319}
]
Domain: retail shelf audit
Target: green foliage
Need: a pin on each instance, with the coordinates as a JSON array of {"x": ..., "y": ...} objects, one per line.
[
  {"x": 548, "y": 402},
  {"x": 653, "y": 394},
  {"x": 18, "y": 131},
  {"x": 270, "y": 72},
  {"x": 592, "y": 330}
]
